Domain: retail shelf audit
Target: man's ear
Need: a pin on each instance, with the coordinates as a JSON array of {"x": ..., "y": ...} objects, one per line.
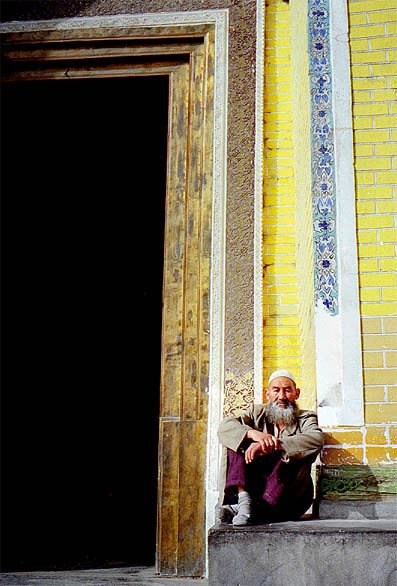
[
  {"x": 267, "y": 394},
  {"x": 298, "y": 392}
]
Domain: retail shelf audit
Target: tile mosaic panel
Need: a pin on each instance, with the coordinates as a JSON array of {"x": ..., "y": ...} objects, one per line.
[{"x": 323, "y": 161}]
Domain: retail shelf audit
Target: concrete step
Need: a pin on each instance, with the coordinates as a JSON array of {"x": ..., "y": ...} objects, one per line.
[
  {"x": 138, "y": 576},
  {"x": 312, "y": 552}
]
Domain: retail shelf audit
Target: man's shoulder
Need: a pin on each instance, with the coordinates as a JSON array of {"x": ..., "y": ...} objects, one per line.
[{"x": 306, "y": 414}]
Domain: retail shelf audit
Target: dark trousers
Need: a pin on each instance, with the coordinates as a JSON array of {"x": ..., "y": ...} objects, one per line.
[{"x": 279, "y": 490}]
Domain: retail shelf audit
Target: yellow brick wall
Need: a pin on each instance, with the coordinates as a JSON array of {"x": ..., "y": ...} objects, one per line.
[
  {"x": 303, "y": 182},
  {"x": 373, "y": 43},
  {"x": 282, "y": 347},
  {"x": 288, "y": 319}
]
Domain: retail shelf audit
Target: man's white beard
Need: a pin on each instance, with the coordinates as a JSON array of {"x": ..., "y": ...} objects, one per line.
[{"x": 286, "y": 416}]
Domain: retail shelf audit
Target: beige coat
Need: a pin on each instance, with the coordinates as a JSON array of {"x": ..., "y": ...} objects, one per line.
[{"x": 302, "y": 440}]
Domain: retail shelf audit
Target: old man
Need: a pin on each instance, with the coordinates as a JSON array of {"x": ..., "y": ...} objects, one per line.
[{"x": 269, "y": 452}]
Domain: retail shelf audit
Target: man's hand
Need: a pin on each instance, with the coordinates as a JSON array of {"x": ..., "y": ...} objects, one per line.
[
  {"x": 267, "y": 442},
  {"x": 253, "y": 450}
]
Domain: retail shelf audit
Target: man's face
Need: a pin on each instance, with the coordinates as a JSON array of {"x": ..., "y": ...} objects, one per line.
[{"x": 282, "y": 391}]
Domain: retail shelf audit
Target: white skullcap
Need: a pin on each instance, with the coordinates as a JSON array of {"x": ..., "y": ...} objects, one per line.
[{"x": 278, "y": 373}]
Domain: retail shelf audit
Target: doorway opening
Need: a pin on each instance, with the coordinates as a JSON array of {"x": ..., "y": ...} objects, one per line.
[{"x": 83, "y": 205}]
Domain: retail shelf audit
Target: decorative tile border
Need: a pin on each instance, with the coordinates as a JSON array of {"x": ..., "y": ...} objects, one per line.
[
  {"x": 323, "y": 159},
  {"x": 337, "y": 310}
]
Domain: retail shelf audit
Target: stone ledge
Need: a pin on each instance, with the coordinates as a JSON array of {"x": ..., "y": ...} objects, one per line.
[{"x": 304, "y": 553}]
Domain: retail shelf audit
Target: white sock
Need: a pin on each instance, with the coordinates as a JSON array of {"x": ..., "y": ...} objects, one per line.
[{"x": 244, "y": 509}]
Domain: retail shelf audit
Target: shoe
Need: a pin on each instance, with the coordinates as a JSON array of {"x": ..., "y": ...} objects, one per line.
[
  {"x": 227, "y": 513},
  {"x": 243, "y": 515}
]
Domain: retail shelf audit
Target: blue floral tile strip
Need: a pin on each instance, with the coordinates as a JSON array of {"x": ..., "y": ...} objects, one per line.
[{"x": 323, "y": 163}]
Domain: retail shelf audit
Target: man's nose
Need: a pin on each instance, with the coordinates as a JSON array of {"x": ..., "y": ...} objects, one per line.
[{"x": 282, "y": 394}]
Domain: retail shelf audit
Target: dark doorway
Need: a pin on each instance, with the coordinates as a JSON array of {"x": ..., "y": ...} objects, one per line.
[{"x": 83, "y": 196}]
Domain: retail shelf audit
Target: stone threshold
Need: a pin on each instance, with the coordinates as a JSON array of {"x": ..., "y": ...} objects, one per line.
[{"x": 141, "y": 576}]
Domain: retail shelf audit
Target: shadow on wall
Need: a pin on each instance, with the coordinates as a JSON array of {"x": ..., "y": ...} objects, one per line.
[
  {"x": 349, "y": 489},
  {"x": 42, "y": 9}
]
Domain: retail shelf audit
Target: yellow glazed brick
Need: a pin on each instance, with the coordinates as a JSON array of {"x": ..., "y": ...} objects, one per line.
[
  {"x": 389, "y": 294},
  {"x": 385, "y": 121},
  {"x": 388, "y": 235},
  {"x": 283, "y": 351},
  {"x": 368, "y": 83},
  {"x": 357, "y": 32},
  {"x": 377, "y": 342},
  {"x": 281, "y": 331},
  {"x": 371, "y": 294},
  {"x": 289, "y": 299},
  {"x": 289, "y": 321},
  {"x": 391, "y": 360},
  {"x": 373, "y": 163},
  {"x": 368, "y": 266},
  {"x": 375, "y": 192},
  {"x": 280, "y": 239},
  {"x": 376, "y": 435},
  {"x": 367, "y": 237},
  {"x": 371, "y": 326},
  {"x": 390, "y": 325},
  {"x": 339, "y": 456},
  {"x": 283, "y": 310},
  {"x": 361, "y": 45},
  {"x": 392, "y": 55},
  {"x": 275, "y": 116},
  {"x": 383, "y": 70},
  {"x": 361, "y": 70},
  {"x": 373, "y": 359},
  {"x": 369, "y": 57},
  {"x": 357, "y": 19},
  {"x": 374, "y": 394},
  {"x": 362, "y": 97},
  {"x": 362, "y": 122},
  {"x": 391, "y": 29},
  {"x": 387, "y": 207},
  {"x": 370, "y": 5},
  {"x": 378, "y": 377},
  {"x": 369, "y": 250},
  {"x": 392, "y": 394},
  {"x": 383, "y": 43},
  {"x": 380, "y": 455},
  {"x": 371, "y": 280},
  {"x": 280, "y": 249},
  {"x": 378, "y": 309},
  {"x": 371, "y": 136},
  {"x": 365, "y": 178},
  {"x": 343, "y": 437},
  {"x": 393, "y": 434},
  {"x": 364, "y": 150},
  {"x": 388, "y": 264},
  {"x": 386, "y": 149},
  {"x": 382, "y": 16},
  {"x": 381, "y": 413},
  {"x": 375, "y": 222}
]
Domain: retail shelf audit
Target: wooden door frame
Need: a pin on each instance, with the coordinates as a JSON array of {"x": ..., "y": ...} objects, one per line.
[{"x": 185, "y": 53}]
